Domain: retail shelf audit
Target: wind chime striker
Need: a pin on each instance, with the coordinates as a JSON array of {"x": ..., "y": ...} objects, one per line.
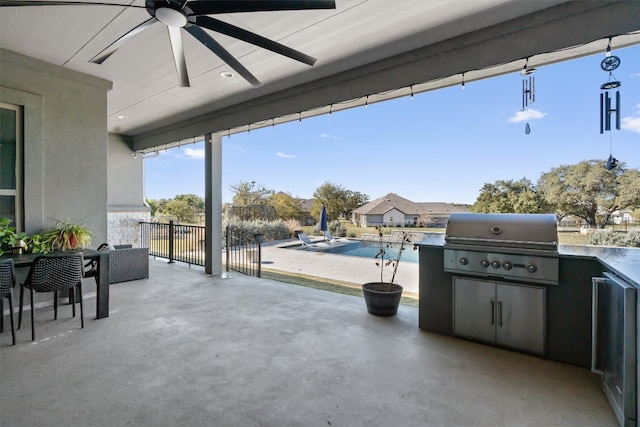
[
  {"x": 608, "y": 64},
  {"x": 528, "y": 90}
]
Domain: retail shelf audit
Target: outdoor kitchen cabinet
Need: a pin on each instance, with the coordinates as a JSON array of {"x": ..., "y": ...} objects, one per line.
[{"x": 505, "y": 314}]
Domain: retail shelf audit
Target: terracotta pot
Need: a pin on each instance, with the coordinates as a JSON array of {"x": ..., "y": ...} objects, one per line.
[{"x": 382, "y": 298}]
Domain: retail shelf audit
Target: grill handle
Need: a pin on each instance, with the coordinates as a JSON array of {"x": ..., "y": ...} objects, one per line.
[
  {"x": 485, "y": 242},
  {"x": 595, "y": 281}
]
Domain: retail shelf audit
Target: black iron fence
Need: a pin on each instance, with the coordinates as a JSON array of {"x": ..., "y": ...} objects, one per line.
[
  {"x": 186, "y": 243},
  {"x": 175, "y": 242},
  {"x": 244, "y": 251}
]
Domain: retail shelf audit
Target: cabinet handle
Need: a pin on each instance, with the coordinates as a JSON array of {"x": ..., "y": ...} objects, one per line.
[
  {"x": 500, "y": 313},
  {"x": 595, "y": 281},
  {"x": 493, "y": 312}
]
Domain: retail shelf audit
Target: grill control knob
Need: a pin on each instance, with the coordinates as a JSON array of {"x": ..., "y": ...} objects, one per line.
[
  {"x": 507, "y": 265},
  {"x": 484, "y": 263},
  {"x": 532, "y": 268},
  {"x": 495, "y": 264},
  {"x": 464, "y": 261}
]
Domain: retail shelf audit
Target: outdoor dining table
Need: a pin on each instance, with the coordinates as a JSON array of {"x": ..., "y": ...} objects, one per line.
[{"x": 25, "y": 260}]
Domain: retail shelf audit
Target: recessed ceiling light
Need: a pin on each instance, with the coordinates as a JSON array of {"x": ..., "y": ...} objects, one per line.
[
  {"x": 123, "y": 117},
  {"x": 227, "y": 74}
]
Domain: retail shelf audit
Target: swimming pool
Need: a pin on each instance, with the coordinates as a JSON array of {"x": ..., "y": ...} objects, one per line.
[{"x": 366, "y": 249}]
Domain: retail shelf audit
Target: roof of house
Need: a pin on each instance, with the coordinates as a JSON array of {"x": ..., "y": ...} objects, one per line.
[{"x": 384, "y": 204}]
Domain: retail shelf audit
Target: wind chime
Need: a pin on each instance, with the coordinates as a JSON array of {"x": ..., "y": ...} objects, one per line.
[
  {"x": 528, "y": 90},
  {"x": 609, "y": 63}
]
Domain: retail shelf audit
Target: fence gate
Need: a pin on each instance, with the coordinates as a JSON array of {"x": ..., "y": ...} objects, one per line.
[{"x": 244, "y": 251}]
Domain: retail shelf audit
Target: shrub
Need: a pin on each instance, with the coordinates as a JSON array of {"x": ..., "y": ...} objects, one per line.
[
  {"x": 293, "y": 224},
  {"x": 337, "y": 229},
  {"x": 633, "y": 239},
  {"x": 272, "y": 230},
  {"x": 611, "y": 238}
]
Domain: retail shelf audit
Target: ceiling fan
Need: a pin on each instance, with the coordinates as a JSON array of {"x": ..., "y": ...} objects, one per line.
[{"x": 191, "y": 15}]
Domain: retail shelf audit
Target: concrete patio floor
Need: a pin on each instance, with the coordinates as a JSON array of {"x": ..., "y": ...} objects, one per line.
[{"x": 183, "y": 348}]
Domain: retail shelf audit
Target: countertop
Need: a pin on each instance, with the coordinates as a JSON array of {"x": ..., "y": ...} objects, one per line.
[{"x": 624, "y": 262}]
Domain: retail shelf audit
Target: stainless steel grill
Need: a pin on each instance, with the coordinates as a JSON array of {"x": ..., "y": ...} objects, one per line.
[{"x": 509, "y": 246}]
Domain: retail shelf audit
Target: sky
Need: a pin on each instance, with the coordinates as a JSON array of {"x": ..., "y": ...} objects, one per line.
[{"x": 440, "y": 146}]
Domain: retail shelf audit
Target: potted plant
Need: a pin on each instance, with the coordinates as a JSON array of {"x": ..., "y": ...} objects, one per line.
[
  {"x": 9, "y": 238},
  {"x": 383, "y": 297},
  {"x": 65, "y": 236}
]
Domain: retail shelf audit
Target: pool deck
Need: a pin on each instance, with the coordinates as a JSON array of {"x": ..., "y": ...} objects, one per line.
[{"x": 352, "y": 269}]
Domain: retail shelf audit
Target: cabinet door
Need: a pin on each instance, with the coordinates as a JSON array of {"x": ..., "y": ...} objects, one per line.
[
  {"x": 474, "y": 309},
  {"x": 520, "y": 317}
]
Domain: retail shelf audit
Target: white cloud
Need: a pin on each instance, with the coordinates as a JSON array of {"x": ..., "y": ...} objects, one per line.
[
  {"x": 328, "y": 136},
  {"x": 194, "y": 153},
  {"x": 286, "y": 156},
  {"x": 524, "y": 115},
  {"x": 632, "y": 122},
  {"x": 635, "y": 76}
]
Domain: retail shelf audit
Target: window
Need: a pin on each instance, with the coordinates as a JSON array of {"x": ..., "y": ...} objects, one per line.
[{"x": 11, "y": 164}]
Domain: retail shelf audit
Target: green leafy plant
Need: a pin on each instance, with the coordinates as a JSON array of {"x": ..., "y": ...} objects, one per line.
[
  {"x": 64, "y": 236},
  {"x": 8, "y": 235}
]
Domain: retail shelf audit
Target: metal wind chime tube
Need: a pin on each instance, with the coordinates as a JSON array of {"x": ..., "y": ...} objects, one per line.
[
  {"x": 528, "y": 90},
  {"x": 608, "y": 64}
]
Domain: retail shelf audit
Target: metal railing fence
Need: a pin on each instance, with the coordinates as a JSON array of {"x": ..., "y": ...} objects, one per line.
[
  {"x": 175, "y": 242},
  {"x": 186, "y": 243}
]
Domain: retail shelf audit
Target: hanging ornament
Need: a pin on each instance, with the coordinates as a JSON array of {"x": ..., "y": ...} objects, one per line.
[
  {"x": 609, "y": 64},
  {"x": 528, "y": 90}
]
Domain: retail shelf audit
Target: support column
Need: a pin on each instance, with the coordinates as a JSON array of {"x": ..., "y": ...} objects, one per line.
[{"x": 213, "y": 203}]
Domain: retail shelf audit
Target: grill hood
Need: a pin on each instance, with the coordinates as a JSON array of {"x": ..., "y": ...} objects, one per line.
[{"x": 537, "y": 232}]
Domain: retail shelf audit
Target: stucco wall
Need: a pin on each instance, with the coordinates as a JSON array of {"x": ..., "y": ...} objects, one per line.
[
  {"x": 65, "y": 146},
  {"x": 126, "y": 205}
]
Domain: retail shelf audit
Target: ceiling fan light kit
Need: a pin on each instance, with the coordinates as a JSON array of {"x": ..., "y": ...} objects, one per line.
[{"x": 191, "y": 15}]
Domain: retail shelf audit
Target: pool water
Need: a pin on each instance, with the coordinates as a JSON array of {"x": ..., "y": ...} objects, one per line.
[{"x": 370, "y": 249}]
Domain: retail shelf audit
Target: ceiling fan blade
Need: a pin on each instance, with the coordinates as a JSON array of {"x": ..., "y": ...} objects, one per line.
[
  {"x": 19, "y": 3},
  {"x": 208, "y": 7},
  {"x": 102, "y": 56},
  {"x": 178, "y": 55},
  {"x": 222, "y": 53},
  {"x": 254, "y": 39}
]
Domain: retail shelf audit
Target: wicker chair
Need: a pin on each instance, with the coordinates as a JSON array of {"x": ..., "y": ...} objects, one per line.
[
  {"x": 7, "y": 282},
  {"x": 125, "y": 263},
  {"x": 53, "y": 273}
]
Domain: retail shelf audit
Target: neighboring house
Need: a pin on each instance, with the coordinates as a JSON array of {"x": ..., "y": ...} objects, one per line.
[
  {"x": 622, "y": 216},
  {"x": 395, "y": 211}
]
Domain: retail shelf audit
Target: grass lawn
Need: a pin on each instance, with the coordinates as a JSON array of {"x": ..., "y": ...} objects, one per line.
[{"x": 408, "y": 298}]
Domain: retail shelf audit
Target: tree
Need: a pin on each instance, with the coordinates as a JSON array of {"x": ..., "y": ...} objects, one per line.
[
  {"x": 589, "y": 191},
  {"x": 153, "y": 204},
  {"x": 185, "y": 207},
  {"x": 509, "y": 197},
  {"x": 248, "y": 193},
  {"x": 286, "y": 206},
  {"x": 337, "y": 200}
]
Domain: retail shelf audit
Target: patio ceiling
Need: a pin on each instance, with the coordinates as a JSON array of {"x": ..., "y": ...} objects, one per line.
[{"x": 367, "y": 51}]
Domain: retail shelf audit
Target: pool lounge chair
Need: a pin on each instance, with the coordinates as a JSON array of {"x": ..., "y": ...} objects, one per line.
[
  {"x": 307, "y": 242},
  {"x": 305, "y": 239},
  {"x": 329, "y": 237}
]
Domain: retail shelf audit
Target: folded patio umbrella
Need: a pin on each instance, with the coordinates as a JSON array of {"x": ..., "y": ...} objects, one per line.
[{"x": 323, "y": 219}]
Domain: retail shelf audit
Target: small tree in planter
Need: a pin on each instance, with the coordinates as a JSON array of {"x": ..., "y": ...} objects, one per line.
[{"x": 383, "y": 297}]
